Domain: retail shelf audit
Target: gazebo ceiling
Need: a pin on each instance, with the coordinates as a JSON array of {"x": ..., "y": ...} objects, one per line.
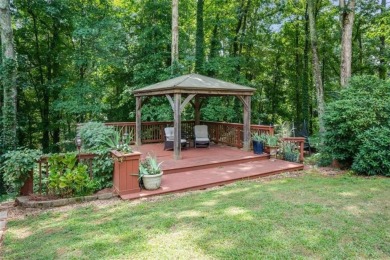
[{"x": 194, "y": 84}]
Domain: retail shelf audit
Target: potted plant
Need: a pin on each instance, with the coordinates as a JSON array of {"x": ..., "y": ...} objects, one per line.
[
  {"x": 118, "y": 143},
  {"x": 150, "y": 173},
  {"x": 258, "y": 141},
  {"x": 272, "y": 145}
]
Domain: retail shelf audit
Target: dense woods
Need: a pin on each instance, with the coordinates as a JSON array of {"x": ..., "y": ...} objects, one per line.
[{"x": 79, "y": 60}]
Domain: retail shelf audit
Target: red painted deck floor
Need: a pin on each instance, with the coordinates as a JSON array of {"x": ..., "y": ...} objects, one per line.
[
  {"x": 199, "y": 158},
  {"x": 207, "y": 167}
]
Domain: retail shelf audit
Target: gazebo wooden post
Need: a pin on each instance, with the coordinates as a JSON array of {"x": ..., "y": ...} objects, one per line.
[
  {"x": 247, "y": 123},
  {"x": 138, "y": 104},
  {"x": 177, "y": 127},
  {"x": 197, "y": 110}
]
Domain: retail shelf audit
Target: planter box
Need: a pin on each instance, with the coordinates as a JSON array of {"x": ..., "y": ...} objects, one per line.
[
  {"x": 28, "y": 186},
  {"x": 126, "y": 172}
]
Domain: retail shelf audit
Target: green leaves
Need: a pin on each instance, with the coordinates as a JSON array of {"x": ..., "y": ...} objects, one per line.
[
  {"x": 17, "y": 166},
  {"x": 67, "y": 178},
  {"x": 373, "y": 155},
  {"x": 363, "y": 105}
]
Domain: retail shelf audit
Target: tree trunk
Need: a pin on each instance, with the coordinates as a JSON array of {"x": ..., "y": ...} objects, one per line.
[
  {"x": 305, "y": 73},
  {"x": 382, "y": 47},
  {"x": 346, "y": 17},
  {"x": 8, "y": 78},
  {"x": 239, "y": 31},
  {"x": 55, "y": 93},
  {"x": 316, "y": 66},
  {"x": 175, "y": 34},
  {"x": 44, "y": 102},
  {"x": 214, "y": 47},
  {"x": 298, "y": 104},
  {"x": 199, "y": 50}
]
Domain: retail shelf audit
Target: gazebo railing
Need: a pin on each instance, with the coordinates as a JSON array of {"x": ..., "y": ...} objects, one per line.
[
  {"x": 152, "y": 132},
  {"x": 232, "y": 133},
  {"x": 225, "y": 133}
]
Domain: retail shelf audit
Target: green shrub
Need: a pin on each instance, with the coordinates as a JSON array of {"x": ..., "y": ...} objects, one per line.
[
  {"x": 17, "y": 165},
  {"x": 94, "y": 137},
  {"x": 373, "y": 156},
  {"x": 290, "y": 152},
  {"x": 364, "y": 104},
  {"x": 68, "y": 178}
]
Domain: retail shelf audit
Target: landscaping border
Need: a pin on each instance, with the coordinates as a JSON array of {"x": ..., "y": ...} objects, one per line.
[{"x": 25, "y": 202}]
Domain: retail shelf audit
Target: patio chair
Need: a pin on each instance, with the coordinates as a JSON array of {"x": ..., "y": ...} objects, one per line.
[
  {"x": 169, "y": 139},
  {"x": 201, "y": 136}
]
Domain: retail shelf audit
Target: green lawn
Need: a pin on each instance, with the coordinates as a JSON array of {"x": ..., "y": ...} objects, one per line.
[{"x": 310, "y": 216}]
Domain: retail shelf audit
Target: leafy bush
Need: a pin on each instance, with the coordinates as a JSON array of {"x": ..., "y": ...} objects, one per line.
[
  {"x": 290, "y": 152},
  {"x": 102, "y": 168},
  {"x": 68, "y": 178},
  {"x": 364, "y": 104},
  {"x": 94, "y": 137},
  {"x": 17, "y": 166},
  {"x": 373, "y": 156}
]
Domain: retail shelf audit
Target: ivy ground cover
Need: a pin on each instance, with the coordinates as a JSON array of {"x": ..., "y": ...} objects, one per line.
[{"x": 309, "y": 216}]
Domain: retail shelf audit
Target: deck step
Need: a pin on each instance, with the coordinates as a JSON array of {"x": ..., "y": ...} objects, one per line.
[
  {"x": 217, "y": 176},
  {"x": 195, "y": 164}
]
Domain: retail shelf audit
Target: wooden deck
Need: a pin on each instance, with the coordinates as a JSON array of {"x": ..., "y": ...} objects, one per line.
[
  {"x": 202, "y": 168},
  {"x": 199, "y": 158}
]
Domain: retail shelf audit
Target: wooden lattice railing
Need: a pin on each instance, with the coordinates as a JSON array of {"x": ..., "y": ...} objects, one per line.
[
  {"x": 152, "y": 132},
  {"x": 225, "y": 133},
  {"x": 299, "y": 142},
  {"x": 43, "y": 169},
  {"x": 231, "y": 133}
]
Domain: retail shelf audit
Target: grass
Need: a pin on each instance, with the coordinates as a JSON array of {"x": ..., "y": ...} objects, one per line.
[{"x": 311, "y": 216}]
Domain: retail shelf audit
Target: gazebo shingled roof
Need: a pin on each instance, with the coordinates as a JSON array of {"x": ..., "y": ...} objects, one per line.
[{"x": 194, "y": 84}]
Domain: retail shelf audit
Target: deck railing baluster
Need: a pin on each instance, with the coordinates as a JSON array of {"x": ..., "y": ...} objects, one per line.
[{"x": 220, "y": 132}]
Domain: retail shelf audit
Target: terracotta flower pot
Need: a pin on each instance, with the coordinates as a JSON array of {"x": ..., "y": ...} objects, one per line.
[{"x": 28, "y": 187}]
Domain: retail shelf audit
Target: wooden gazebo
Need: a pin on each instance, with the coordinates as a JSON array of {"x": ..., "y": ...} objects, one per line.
[{"x": 188, "y": 87}]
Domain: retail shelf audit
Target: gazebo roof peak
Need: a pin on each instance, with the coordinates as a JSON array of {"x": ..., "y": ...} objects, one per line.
[{"x": 194, "y": 84}]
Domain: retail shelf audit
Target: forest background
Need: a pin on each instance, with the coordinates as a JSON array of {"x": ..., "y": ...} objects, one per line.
[{"x": 80, "y": 60}]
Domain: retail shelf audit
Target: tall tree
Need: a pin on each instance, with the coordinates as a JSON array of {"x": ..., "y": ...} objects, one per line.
[
  {"x": 199, "y": 45},
  {"x": 175, "y": 34},
  {"x": 382, "y": 48},
  {"x": 8, "y": 78},
  {"x": 316, "y": 65},
  {"x": 305, "y": 74},
  {"x": 346, "y": 18}
]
